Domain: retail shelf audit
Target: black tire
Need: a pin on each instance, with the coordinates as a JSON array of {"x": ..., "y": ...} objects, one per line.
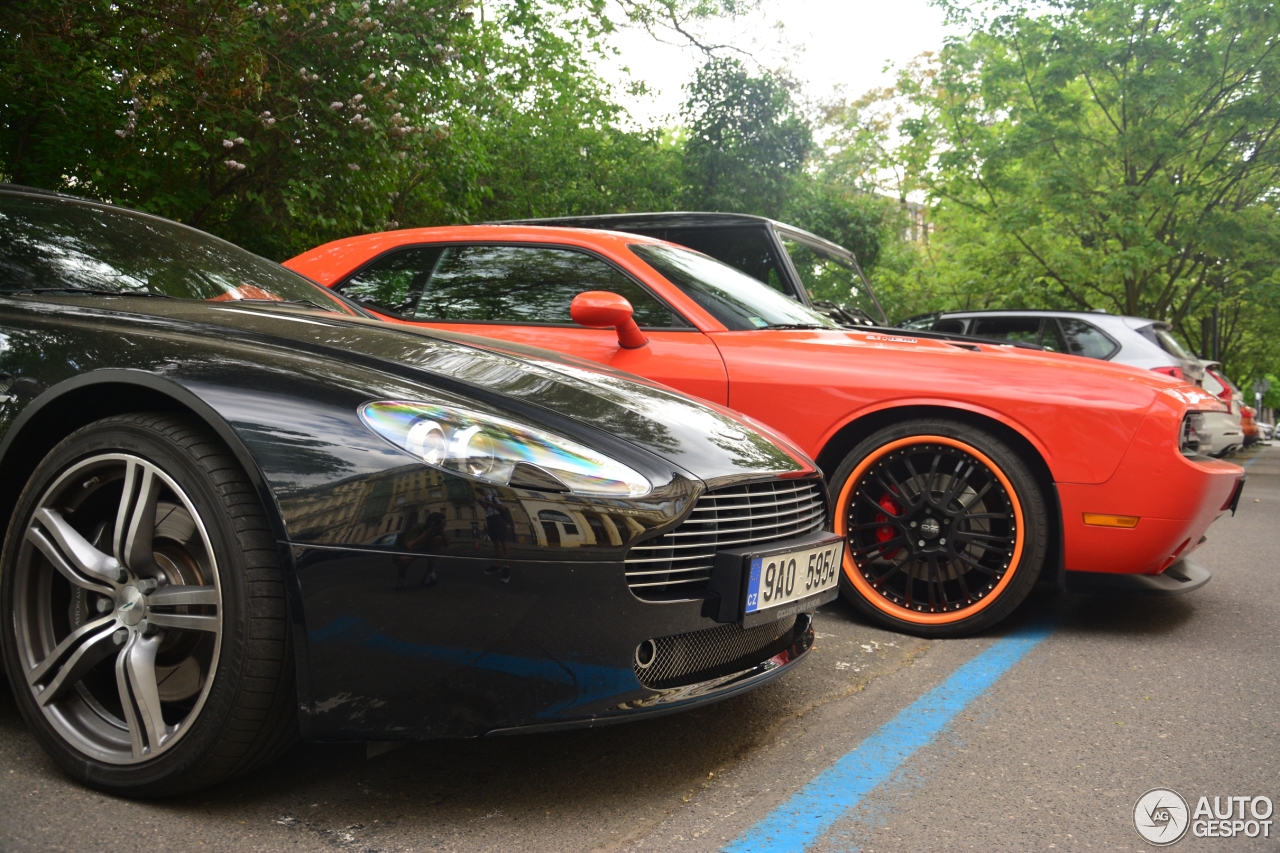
[
  {"x": 205, "y": 575},
  {"x": 899, "y": 570}
]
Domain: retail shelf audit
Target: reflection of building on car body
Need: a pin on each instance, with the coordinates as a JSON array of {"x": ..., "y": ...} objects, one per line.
[
  {"x": 959, "y": 470},
  {"x": 220, "y": 505}
]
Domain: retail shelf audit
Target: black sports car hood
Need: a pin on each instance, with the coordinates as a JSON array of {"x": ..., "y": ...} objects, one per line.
[{"x": 705, "y": 441}]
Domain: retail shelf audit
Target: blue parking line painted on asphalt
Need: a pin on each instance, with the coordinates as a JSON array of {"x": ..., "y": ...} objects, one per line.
[{"x": 812, "y": 810}]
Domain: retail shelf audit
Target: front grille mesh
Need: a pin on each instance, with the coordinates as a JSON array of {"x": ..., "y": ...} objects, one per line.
[
  {"x": 678, "y": 564},
  {"x": 703, "y": 655}
]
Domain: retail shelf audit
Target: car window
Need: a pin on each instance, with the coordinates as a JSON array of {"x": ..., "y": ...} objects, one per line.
[
  {"x": 527, "y": 284},
  {"x": 737, "y": 300},
  {"x": 1025, "y": 329},
  {"x": 831, "y": 278},
  {"x": 950, "y": 327},
  {"x": 1051, "y": 337},
  {"x": 1171, "y": 345},
  {"x": 55, "y": 244},
  {"x": 1086, "y": 339},
  {"x": 747, "y": 249},
  {"x": 393, "y": 283}
]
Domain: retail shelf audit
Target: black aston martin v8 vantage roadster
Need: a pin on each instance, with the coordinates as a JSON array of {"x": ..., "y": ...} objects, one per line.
[{"x": 239, "y": 511}]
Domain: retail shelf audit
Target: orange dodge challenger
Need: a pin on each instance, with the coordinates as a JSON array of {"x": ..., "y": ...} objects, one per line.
[{"x": 959, "y": 472}]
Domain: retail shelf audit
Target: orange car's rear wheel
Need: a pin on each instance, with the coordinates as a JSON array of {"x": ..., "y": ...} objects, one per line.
[{"x": 945, "y": 527}]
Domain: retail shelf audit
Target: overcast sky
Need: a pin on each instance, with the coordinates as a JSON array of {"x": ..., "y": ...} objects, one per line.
[{"x": 828, "y": 45}]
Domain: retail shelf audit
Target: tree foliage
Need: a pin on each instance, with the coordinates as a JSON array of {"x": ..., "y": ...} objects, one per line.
[
  {"x": 1118, "y": 154},
  {"x": 280, "y": 125},
  {"x": 746, "y": 141}
]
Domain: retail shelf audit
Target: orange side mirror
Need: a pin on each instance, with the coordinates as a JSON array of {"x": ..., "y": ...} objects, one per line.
[{"x": 597, "y": 309}]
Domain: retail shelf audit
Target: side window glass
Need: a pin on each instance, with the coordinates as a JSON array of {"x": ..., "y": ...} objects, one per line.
[
  {"x": 393, "y": 283},
  {"x": 527, "y": 284},
  {"x": 1085, "y": 339},
  {"x": 746, "y": 249},
  {"x": 1050, "y": 337},
  {"x": 950, "y": 327},
  {"x": 1024, "y": 329}
]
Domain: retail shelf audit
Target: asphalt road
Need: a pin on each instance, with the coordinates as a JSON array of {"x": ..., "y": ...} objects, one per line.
[{"x": 1121, "y": 696}]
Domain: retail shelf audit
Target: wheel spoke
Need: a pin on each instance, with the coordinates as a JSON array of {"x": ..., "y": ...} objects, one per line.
[
  {"x": 896, "y": 567},
  {"x": 140, "y": 694},
  {"x": 870, "y": 552},
  {"x": 176, "y": 595},
  {"x": 72, "y": 555},
  {"x": 82, "y": 650},
  {"x": 935, "y": 572},
  {"x": 964, "y": 587},
  {"x": 898, "y": 488},
  {"x": 933, "y": 474},
  {"x": 184, "y": 621},
  {"x": 957, "y": 483},
  {"x": 865, "y": 497},
  {"x": 967, "y": 559},
  {"x": 974, "y": 535},
  {"x": 136, "y": 518},
  {"x": 888, "y": 489},
  {"x": 978, "y": 495}
]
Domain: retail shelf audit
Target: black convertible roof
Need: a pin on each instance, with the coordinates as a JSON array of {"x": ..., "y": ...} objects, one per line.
[{"x": 673, "y": 219}]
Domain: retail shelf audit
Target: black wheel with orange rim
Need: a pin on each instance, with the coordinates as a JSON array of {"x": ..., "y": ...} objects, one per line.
[{"x": 945, "y": 527}]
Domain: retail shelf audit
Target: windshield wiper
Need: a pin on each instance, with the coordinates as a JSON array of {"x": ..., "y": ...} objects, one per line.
[
  {"x": 304, "y": 302},
  {"x": 87, "y": 291},
  {"x": 795, "y": 326}
]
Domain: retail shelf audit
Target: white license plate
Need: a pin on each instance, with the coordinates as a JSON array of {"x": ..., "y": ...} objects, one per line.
[{"x": 780, "y": 579}]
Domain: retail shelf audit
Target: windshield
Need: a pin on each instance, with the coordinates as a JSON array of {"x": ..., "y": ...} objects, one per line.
[
  {"x": 53, "y": 244},
  {"x": 734, "y": 298},
  {"x": 828, "y": 277}
]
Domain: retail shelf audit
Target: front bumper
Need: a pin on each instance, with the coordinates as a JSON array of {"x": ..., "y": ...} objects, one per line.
[
  {"x": 1182, "y": 577},
  {"x": 1176, "y": 498},
  {"x": 399, "y": 647}
]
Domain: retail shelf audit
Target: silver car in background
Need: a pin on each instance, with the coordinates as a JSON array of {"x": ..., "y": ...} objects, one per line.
[
  {"x": 1222, "y": 431},
  {"x": 1149, "y": 344}
]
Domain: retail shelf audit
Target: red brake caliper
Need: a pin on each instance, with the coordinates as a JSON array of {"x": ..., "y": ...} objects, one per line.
[{"x": 885, "y": 533}]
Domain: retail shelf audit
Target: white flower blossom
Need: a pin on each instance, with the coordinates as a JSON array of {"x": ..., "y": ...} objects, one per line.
[
  {"x": 227, "y": 143},
  {"x": 353, "y": 167}
]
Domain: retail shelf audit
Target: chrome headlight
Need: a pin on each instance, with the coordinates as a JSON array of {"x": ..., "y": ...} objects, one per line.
[
  {"x": 1192, "y": 433},
  {"x": 496, "y": 450}
]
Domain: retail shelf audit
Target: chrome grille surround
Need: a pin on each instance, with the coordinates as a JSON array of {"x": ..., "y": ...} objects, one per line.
[
  {"x": 713, "y": 652},
  {"x": 677, "y": 565}
]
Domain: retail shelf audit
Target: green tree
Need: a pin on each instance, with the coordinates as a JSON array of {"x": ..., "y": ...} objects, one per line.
[
  {"x": 269, "y": 124},
  {"x": 1105, "y": 153},
  {"x": 281, "y": 125},
  {"x": 746, "y": 141}
]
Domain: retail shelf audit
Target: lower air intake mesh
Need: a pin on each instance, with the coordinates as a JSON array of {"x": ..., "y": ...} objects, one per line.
[{"x": 703, "y": 655}]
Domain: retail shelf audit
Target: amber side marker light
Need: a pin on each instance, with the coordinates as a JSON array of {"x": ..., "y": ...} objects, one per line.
[{"x": 1097, "y": 519}]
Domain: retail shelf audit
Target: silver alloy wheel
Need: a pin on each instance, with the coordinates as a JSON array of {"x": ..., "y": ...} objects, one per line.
[{"x": 118, "y": 608}]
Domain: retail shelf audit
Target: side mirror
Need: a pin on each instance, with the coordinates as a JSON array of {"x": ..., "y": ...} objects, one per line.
[{"x": 597, "y": 309}]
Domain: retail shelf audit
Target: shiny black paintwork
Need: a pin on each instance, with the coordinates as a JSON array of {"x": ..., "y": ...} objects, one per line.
[{"x": 392, "y": 643}]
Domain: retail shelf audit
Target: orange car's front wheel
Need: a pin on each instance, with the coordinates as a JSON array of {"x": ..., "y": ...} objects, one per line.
[{"x": 945, "y": 527}]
